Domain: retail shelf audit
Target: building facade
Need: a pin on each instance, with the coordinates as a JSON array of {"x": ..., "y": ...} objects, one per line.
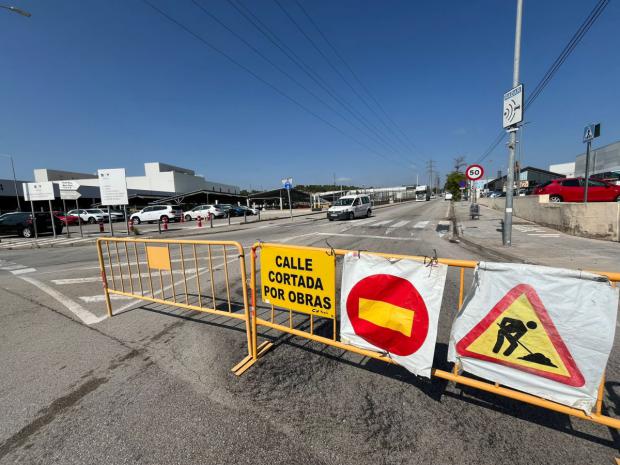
[{"x": 604, "y": 163}]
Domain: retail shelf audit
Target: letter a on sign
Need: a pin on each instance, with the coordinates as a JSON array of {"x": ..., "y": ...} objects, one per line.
[
  {"x": 518, "y": 333},
  {"x": 541, "y": 330},
  {"x": 392, "y": 307}
]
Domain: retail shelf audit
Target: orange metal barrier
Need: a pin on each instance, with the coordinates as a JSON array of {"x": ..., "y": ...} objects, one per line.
[
  {"x": 192, "y": 275},
  {"x": 324, "y": 330}
]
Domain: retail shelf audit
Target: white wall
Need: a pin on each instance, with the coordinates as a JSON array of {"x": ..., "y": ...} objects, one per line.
[{"x": 567, "y": 169}]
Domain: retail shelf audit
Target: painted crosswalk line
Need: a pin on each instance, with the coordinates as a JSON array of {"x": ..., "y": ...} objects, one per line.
[
  {"x": 420, "y": 225},
  {"x": 400, "y": 224}
]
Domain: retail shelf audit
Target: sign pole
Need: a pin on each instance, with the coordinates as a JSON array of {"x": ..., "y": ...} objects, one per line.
[
  {"x": 34, "y": 221},
  {"x": 52, "y": 218},
  {"x": 585, "y": 193},
  {"x": 510, "y": 178},
  {"x": 77, "y": 207},
  {"x": 110, "y": 221},
  {"x": 290, "y": 205},
  {"x": 64, "y": 208},
  {"x": 126, "y": 222}
]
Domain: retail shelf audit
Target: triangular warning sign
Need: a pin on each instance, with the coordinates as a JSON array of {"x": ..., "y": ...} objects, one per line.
[{"x": 518, "y": 333}]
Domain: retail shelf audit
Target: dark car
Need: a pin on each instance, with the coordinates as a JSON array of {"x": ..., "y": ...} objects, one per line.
[
  {"x": 231, "y": 210},
  {"x": 21, "y": 223}
]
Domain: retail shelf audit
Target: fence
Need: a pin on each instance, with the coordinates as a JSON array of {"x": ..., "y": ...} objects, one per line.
[
  {"x": 325, "y": 331},
  {"x": 192, "y": 275}
]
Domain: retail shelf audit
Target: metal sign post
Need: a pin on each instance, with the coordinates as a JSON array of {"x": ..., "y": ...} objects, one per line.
[
  {"x": 52, "y": 218},
  {"x": 126, "y": 220},
  {"x": 589, "y": 132},
  {"x": 287, "y": 183},
  {"x": 512, "y": 116},
  {"x": 34, "y": 221},
  {"x": 64, "y": 209},
  {"x": 77, "y": 207},
  {"x": 110, "y": 221}
]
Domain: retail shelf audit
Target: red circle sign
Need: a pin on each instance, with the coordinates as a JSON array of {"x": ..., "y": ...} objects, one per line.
[
  {"x": 474, "y": 172},
  {"x": 399, "y": 292}
]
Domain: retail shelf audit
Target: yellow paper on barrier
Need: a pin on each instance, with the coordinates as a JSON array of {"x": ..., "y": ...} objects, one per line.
[
  {"x": 158, "y": 257},
  {"x": 303, "y": 280}
]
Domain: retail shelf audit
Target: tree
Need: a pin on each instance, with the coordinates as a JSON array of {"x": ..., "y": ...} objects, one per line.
[{"x": 453, "y": 181}]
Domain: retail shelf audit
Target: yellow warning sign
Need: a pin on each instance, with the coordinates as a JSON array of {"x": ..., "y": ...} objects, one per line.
[
  {"x": 303, "y": 280},
  {"x": 518, "y": 336},
  {"x": 158, "y": 257},
  {"x": 519, "y": 333}
]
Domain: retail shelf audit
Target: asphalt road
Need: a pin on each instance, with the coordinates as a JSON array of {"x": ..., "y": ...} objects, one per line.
[{"x": 152, "y": 385}]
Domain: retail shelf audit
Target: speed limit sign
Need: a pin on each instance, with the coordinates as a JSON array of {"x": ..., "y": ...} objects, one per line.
[{"x": 474, "y": 172}]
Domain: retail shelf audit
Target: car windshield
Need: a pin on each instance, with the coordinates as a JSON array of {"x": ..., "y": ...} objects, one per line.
[{"x": 343, "y": 202}]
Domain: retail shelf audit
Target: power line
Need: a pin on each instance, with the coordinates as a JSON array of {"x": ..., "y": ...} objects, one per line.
[
  {"x": 259, "y": 78},
  {"x": 304, "y": 67},
  {"x": 553, "y": 69},
  {"x": 362, "y": 86},
  {"x": 328, "y": 61},
  {"x": 280, "y": 69}
]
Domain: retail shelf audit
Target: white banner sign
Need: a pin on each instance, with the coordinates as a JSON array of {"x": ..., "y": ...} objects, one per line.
[
  {"x": 113, "y": 186},
  {"x": 545, "y": 331},
  {"x": 392, "y": 307},
  {"x": 36, "y": 191}
]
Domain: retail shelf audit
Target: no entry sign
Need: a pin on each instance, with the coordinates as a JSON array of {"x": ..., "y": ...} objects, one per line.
[
  {"x": 474, "y": 172},
  {"x": 392, "y": 307}
]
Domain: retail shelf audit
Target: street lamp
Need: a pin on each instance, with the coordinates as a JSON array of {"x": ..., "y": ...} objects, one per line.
[
  {"x": 19, "y": 208},
  {"x": 14, "y": 9}
]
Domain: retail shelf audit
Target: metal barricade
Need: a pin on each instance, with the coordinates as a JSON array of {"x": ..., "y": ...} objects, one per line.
[
  {"x": 325, "y": 331},
  {"x": 192, "y": 275}
]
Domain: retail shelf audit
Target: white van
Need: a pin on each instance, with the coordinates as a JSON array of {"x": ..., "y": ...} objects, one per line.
[{"x": 349, "y": 207}]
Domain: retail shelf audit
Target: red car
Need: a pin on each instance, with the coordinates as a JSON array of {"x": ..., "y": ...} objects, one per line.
[
  {"x": 70, "y": 220},
  {"x": 572, "y": 190}
]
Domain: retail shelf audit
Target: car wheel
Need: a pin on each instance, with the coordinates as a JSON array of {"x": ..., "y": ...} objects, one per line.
[
  {"x": 92, "y": 220},
  {"x": 188, "y": 218},
  {"x": 369, "y": 213},
  {"x": 136, "y": 220},
  {"x": 618, "y": 199},
  {"x": 351, "y": 216},
  {"x": 27, "y": 232},
  {"x": 163, "y": 218},
  {"x": 555, "y": 198}
]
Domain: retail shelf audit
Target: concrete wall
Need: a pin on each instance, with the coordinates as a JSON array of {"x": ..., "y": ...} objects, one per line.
[{"x": 598, "y": 220}]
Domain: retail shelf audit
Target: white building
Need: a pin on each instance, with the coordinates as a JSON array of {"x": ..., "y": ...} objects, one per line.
[
  {"x": 158, "y": 177},
  {"x": 567, "y": 169}
]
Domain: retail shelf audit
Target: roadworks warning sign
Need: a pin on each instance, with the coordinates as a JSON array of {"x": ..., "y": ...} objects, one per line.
[
  {"x": 299, "y": 279},
  {"x": 545, "y": 331}
]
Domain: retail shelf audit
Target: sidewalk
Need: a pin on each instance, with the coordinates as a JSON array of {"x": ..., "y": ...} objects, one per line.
[{"x": 532, "y": 243}]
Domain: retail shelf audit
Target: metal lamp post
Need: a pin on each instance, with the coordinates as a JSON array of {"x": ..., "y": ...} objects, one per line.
[{"x": 19, "y": 208}]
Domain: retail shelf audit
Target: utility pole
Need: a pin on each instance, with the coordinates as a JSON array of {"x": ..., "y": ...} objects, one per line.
[
  {"x": 430, "y": 172},
  {"x": 459, "y": 162},
  {"x": 510, "y": 178}
]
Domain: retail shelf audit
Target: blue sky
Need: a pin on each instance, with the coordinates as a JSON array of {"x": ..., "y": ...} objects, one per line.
[{"x": 100, "y": 84}]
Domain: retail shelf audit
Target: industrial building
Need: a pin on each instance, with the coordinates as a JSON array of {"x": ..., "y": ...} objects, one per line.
[
  {"x": 529, "y": 177},
  {"x": 604, "y": 163},
  {"x": 160, "y": 181}
]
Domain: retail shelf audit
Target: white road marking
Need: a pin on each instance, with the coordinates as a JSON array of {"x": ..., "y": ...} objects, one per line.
[
  {"x": 91, "y": 299},
  {"x": 75, "y": 308},
  {"x": 14, "y": 266},
  {"x": 90, "y": 279},
  {"x": 366, "y": 236},
  {"x": 420, "y": 225},
  {"x": 23, "y": 271},
  {"x": 381, "y": 223},
  {"x": 400, "y": 224},
  {"x": 544, "y": 234},
  {"x": 366, "y": 222}
]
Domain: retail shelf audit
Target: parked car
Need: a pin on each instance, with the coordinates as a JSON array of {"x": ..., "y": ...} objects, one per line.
[
  {"x": 249, "y": 210},
  {"x": 349, "y": 207},
  {"x": 230, "y": 210},
  {"x": 496, "y": 194},
  {"x": 573, "y": 190},
  {"x": 448, "y": 196},
  {"x": 90, "y": 215},
  {"x": 156, "y": 213},
  {"x": 21, "y": 223},
  {"x": 67, "y": 219},
  {"x": 116, "y": 215},
  {"x": 203, "y": 211}
]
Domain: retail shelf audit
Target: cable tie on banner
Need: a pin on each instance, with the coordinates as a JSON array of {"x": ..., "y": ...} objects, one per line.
[
  {"x": 331, "y": 252},
  {"x": 359, "y": 252},
  {"x": 431, "y": 261}
]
